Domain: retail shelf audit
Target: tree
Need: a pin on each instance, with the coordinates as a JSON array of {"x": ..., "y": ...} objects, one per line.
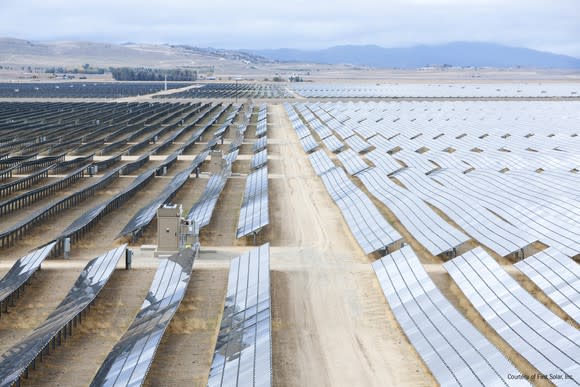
[{"x": 86, "y": 67}]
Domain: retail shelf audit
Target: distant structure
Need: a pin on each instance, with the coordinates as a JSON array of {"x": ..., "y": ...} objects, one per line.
[{"x": 165, "y": 82}]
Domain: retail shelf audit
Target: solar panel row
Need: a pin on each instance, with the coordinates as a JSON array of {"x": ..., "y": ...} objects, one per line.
[
  {"x": 59, "y": 323},
  {"x": 254, "y": 214},
  {"x": 541, "y": 337},
  {"x": 20, "y": 273},
  {"x": 428, "y": 228},
  {"x": 462, "y": 90},
  {"x": 243, "y": 355},
  {"x": 455, "y": 352},
  {"x": 366, "y": 223},
  {"x": 558, "y": 276},
  {"x": 130, "y": 359}
]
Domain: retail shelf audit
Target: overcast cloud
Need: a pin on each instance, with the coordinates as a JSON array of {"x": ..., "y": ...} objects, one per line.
[{"x": 549, "y": 25}]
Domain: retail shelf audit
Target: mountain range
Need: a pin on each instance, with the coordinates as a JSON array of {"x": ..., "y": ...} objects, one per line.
[
  {"x": 17, "y": 52},
  {"x": 463, "y": 54}
]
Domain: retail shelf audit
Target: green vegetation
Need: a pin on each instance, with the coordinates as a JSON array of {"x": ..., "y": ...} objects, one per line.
[
  {"x": 147, "y": 74},
  {"x": 85, "y": 69}
]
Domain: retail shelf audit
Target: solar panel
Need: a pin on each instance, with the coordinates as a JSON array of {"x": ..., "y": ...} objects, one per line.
[
  {"x": 92, "y": 215},
  {"x": 497, "y": 234},
  {"x": 320, "y": 162},
  {"x": 243, "y": 355},
  {"x": 254, "y": 212},
  {"x": 366, "y": 223},
  {"x": 92, "y": 279},
  {"x": 384, "y": 161},
  {"x": 428, "y": 228},
  {"x": 451, "y": 347},
  {"x": 130, "y": 359},
  {"x": 308, "y": 143},
  {"x": 558, "y": 276},
  {"x": 333, "y": 144},
  {"x": 546, "y": 341},
  {"x": 358, "y": 144},
  {"x": 146, "y": 214},
  {"x": 21, "y": 271},
  {"x": 259, "y": 159},
  {"x": 444, "y": 90},
  {"x": 260, "y": 144},
  {"x": 545, "y": 221},
  {"x": 352, "y": 162},
  {"x": 202, "y": 209}
]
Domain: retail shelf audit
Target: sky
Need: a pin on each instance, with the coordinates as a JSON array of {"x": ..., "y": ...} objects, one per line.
[{"x": 547, "y": 25}]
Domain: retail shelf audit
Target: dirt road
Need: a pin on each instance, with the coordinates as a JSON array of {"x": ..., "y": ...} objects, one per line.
[{"x": 331, "y": 324}]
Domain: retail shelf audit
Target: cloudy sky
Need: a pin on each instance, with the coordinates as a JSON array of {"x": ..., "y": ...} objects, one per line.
[{"x": 550, "y": 25}]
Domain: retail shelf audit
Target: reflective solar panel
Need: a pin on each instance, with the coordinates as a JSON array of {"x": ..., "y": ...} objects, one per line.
[
  {"x": 366, "y": 223},
  {"x": 451, "y": 347},
  {"x": 202, "y": 209},
  {"x": 86, "y": 288},
  {"x": 259, "y": 159},
  {"x": 260, "y": 144},
  {"x": 146, "y": 214},
  {"x": 130, "y": 359},
  {"x": 308, "y": 143},
  {"x": 22, "y": 270},
  {"x": 254, "y": 212},
  {"x": 541, "y": 337},
  {"x": 352, "y": 162},
  {"x": 558, "y": 276},
  {"x": 333, "y": 144},
  {"x": 320, "y": 162},
  {"x": 242, "y": 355},
  {"x": 358, "y": 144}
]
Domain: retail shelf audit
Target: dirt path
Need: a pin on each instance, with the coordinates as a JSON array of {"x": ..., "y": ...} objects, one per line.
[{"x": 331, "y": 324}]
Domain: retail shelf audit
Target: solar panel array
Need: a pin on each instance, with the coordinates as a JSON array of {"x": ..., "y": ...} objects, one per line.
[
  {"x": 367, "y": 224},
  {"x": 422, "y": 90},
  {"x": 233, "y": 90},
  {"x": 308, "y": 143},
  {"x": 357, "y": 144},
  {"x": 243, "y": 354},
  {"x": 558, "y": 276},
  {"x": 78, "y": 227},
  {"x": 21, "y": 272},
  {"x": 546, "y": 341},
  {"x": 15, "y": 361},
  {"x": 502, "y": 171},
  {"x": 259, "y": 159},
  {"x": 71, "y": 129},
  {"x": 146, "y": 214},
  {"x": 320, "y": 162},
  {"x": 301, "y": 129},
  {"x": 83, "y": 89},
  {"x": 352, "y": 162},
  {"x": 130, "y": 359},
  {"x": 333, "y": 144},
  {"x": 254, "y": 213},
  {"x": 491, "y": 231},
  {"x": 262, "y": 120},
  {"x": 430, "y": 230},
  {"x": 260, "y": 144},
  {"x": 202, "y": 209},
  {"x": 455, "y": 352}
]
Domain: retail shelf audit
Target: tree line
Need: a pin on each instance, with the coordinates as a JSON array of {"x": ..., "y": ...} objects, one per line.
[{"x": 148, "y": 74}]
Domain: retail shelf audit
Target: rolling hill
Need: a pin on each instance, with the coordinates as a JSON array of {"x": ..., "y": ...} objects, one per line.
[{"x": 463, "y": 54}]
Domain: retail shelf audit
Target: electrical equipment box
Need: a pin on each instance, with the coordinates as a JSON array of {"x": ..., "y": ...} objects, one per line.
[{"x": 168, "y": 228}]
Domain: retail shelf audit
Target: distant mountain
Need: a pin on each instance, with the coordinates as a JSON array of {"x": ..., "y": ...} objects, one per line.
[
  {"x": 18, "y": 52},
  {"x": 462, "y": 54}
]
